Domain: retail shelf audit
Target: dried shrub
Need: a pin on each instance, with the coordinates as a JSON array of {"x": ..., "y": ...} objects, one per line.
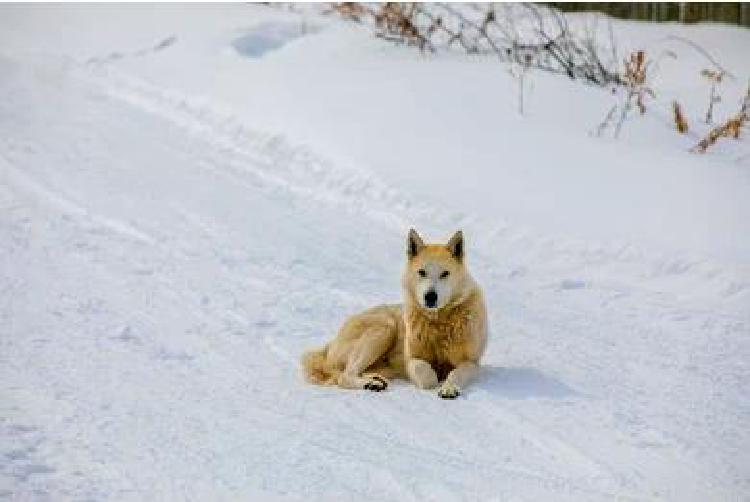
[
  {"x": 531, "y": 35},
  {"x": 398, "y": 21}
]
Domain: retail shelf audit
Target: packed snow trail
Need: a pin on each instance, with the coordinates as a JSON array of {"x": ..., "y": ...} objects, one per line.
[{"x": 163, "y": 266}]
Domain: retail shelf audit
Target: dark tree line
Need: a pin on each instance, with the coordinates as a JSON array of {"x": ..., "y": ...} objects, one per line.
[{"x": 684, "y": 12}]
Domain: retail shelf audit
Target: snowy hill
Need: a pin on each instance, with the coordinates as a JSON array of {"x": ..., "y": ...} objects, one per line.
[{"x": 192, "y": 196}]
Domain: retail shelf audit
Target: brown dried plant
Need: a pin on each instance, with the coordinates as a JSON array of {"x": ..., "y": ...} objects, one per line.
[
  {"x": 729, "y": 129},
  {"x": 350, "y": 10},
  {"x": 635, "y": 79},
  {"x": 398, "y": 20},
  {"x": 679, "y": 119},
  {"x": 394, "y": 21}
]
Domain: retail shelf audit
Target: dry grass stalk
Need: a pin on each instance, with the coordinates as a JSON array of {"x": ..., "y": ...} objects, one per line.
[
  {"x": 604, "y": 125},
  {"x": 679, "y": 119},
  {"x": 729, "y": 129},
  {"x": 715, "y": 77},
  {"x": 635, "y": 79}
]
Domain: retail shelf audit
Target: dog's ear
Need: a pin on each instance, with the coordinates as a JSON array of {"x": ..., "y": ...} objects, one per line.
[
  {"x": 456, "y": 245},
  {"x": 414, "y": 244}
]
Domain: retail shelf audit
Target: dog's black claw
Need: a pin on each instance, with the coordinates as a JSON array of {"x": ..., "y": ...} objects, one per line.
[
  {"x": 381, "y": 380},
  {"x": 377, "y": 384}
]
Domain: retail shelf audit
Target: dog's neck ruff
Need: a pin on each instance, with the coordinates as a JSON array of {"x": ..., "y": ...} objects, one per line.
[{"x": 445, "y": 313}]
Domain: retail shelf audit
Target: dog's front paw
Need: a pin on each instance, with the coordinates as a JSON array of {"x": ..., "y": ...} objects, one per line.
[
  {"x": 449, "y": 391},
  {"x": 376, "y": 384}
]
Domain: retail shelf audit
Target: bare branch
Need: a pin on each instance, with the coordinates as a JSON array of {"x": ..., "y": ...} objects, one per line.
[
  {"x": 703, "y": 51},
  {"x": 483, "y": 29}
]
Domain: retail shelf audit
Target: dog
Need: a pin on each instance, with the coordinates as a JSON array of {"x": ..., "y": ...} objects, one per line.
[{"x": 435, "y": 338}]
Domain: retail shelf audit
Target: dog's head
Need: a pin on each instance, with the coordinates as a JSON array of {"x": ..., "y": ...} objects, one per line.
[{"x": 435, "y": 274}]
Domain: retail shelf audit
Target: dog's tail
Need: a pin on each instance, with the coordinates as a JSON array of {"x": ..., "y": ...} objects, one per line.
[{"x": 315, "y": 368}]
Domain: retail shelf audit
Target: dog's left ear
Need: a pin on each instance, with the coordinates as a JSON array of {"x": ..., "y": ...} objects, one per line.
[
  {"x": 456, "y": 245},
  {"x": 414, "y": 244}
]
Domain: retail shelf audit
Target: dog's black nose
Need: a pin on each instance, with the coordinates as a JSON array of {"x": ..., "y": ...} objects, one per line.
[{"x": 430, "y": 299}]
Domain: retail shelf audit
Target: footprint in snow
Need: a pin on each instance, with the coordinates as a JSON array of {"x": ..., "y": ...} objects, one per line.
[{"x": 567, "y": 284}]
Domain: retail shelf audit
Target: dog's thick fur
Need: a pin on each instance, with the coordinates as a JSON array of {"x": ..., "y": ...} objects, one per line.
[{"x": 437, "y": 335}]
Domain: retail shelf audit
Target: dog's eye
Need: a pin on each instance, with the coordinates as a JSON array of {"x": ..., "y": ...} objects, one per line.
[
  {"x": 422, "y": 273},
  {"x": 445, "y": 274}
]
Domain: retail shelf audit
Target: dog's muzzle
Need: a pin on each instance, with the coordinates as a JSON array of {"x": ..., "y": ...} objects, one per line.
[{"x": 430, "y": 299}]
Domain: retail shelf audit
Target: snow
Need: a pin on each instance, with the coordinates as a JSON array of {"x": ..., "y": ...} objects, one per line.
[{"x": 193, "y": 195}]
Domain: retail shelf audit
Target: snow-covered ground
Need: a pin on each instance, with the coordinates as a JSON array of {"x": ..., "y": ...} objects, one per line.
[{"x": 192, "y": 196}]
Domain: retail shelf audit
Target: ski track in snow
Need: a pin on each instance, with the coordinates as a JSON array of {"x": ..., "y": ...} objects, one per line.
[{"x": 164, "y": 267}]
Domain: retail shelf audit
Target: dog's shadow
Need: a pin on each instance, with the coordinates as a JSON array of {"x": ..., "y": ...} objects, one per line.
[{"x": 521, "y": 383}]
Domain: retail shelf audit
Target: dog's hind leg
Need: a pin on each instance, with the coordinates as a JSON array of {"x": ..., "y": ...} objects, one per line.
[
  {"x": 371, "y": 346},
  {"x": 383, "y": 371}
]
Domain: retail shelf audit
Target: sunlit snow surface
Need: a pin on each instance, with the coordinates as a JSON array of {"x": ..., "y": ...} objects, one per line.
[{"x": 190, "y": 196}]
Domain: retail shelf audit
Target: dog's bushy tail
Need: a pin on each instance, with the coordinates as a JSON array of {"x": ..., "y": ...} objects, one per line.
[{"x": 315, "y": 369}]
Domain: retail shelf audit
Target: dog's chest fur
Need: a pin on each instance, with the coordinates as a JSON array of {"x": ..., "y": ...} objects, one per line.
[{"x": 441, "y": 339}]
